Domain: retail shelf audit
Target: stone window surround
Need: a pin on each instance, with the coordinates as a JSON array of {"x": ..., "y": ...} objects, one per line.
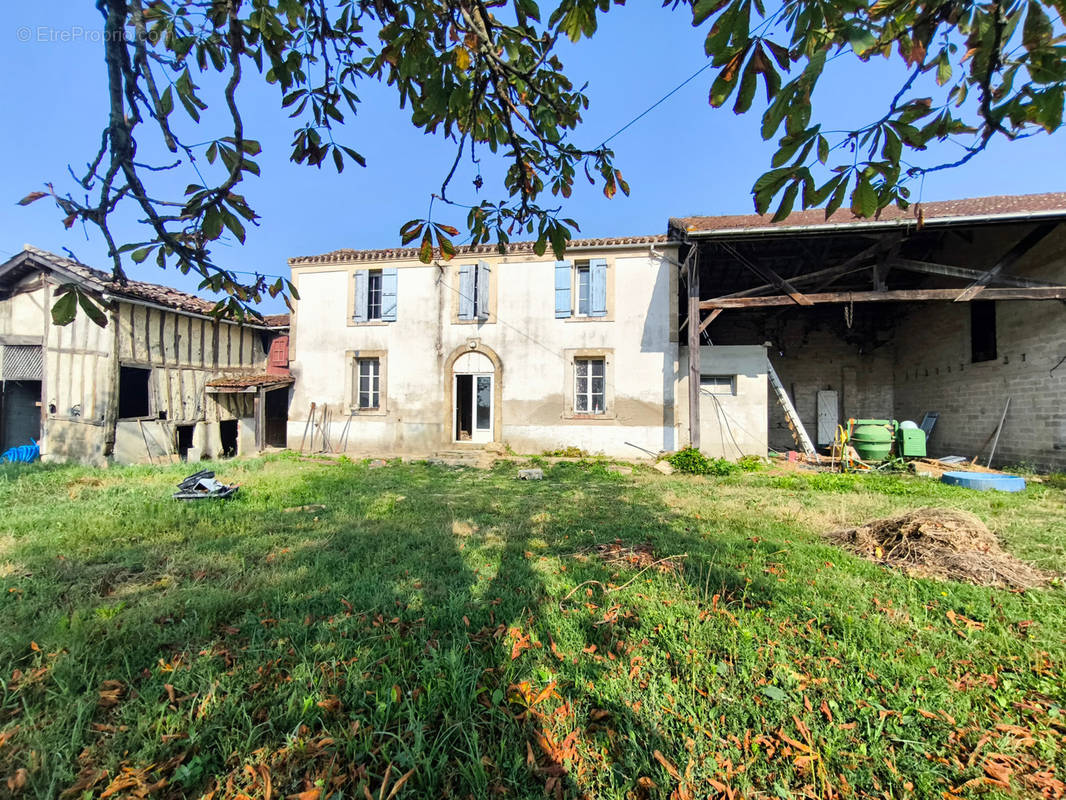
[
  {"x": 607, "y": 354},
  {"x": 351, "y": 384}
]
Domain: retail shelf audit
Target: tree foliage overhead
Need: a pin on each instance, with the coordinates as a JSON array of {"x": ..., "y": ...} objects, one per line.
[{"x": 485, "y": 74}]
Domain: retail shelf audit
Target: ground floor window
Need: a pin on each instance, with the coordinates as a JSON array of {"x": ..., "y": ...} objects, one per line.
[
  {"x": 369, "y": 383},
  {"x": 590, "y": 392},
  {"x": 718, "y": 384}
]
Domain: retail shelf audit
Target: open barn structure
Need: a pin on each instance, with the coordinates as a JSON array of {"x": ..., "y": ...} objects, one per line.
[{"x": 946, "y": 307}]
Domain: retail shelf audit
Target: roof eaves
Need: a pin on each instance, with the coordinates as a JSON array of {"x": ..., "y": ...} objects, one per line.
[
  {"x": 343, "y": 256},
  {"x": 678, "y": 226}
]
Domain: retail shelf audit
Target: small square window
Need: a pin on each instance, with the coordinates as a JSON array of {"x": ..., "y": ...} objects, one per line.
[{"x": 718, "y": 384}]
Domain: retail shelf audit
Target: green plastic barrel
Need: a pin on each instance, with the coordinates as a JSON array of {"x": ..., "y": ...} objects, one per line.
[{"x": 872, "y": 438}]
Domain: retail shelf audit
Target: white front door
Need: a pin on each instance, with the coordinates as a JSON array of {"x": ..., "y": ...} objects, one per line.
[{"x": 472, "y": 410}]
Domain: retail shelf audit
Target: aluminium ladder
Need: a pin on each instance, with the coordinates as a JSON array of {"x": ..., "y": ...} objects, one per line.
[{"x": 799, "y": 433}]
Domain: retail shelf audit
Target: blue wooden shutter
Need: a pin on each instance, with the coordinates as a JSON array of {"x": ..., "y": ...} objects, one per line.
[
  {"x": 466, "y": 291},
  {"x": 482, "y": 290},
  {"x": 563, "y": 271},
  {"x": 598, "y": 287},
  {"x": 388, "y": 294},
  {"x": 359, "y": 315}
]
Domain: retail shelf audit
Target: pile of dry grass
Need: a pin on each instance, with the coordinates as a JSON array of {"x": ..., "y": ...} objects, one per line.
[{"x": 940, "y": 543}]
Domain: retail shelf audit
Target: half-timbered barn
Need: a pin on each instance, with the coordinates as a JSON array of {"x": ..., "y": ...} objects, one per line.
[{"x": 164, "y": 379}]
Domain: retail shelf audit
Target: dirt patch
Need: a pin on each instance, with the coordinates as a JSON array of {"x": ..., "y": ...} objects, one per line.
[{"x": 940, "y": 543}]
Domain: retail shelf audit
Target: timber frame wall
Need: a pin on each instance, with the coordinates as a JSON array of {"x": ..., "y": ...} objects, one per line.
[{"x": 82, "y": 363}]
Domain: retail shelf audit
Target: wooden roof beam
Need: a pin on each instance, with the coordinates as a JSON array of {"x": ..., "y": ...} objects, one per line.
[
  {"x": 828, "y": 272},
  {"x": 1031, "y": 240},
  {"x": 932, "y": 268},
  {"x": 768, "y": 274},
  {"x": 893, "y": 295}
]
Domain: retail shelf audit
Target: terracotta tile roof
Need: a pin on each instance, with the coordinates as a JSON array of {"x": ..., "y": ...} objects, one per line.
[
  {"x": 411, "y": 253},
  {"x": 249, "y": 381},
  {"x": 977, "y": 208},
  {"x": 276, "y": 320},
  {"x": 139, "y": 290}
]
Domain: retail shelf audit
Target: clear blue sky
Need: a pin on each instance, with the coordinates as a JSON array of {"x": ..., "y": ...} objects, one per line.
[{"x": 683, "y": 158}]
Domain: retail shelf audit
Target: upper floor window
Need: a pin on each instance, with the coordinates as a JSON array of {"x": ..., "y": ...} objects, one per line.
[
  {"x": 581, "y": 288},
  {"x": 375, "y": 295},
  {"x": 475, "y": 291}
]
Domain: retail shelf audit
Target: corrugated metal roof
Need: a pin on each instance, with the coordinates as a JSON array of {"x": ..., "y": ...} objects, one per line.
[
  {"x": 976, "y": 209},
  {"x": 139, "y": 290},
  {"x": 411, "y": 253}
]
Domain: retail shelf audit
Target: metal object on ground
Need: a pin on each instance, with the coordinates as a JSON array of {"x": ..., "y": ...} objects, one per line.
[
  {"x": 984, "y": 480},
  {"x": 872, "y": 438},
  {"x": 910, "y": 442},
  {"x": 202, "y": 485},
  {"x": 929, "y": 422}
]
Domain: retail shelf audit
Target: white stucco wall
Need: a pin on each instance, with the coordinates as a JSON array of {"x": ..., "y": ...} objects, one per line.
[
  {"x": 731, "y": 425},
  {"x": 533, "y": 348}
]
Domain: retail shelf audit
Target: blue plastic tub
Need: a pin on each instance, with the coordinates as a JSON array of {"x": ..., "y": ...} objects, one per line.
[{"x": 985, "y": 480}]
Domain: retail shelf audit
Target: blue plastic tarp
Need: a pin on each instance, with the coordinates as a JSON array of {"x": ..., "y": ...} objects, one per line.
[{"x": 25, "y": 454}]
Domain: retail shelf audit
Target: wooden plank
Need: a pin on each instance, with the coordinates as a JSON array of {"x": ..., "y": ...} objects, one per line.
[
  {"x": 710, "y": 318},
  {"x": 693, "y": 288},
  {"x": 1031, "y": 240},
  {"x": 894, "y": 295},
  {"x": 950, "y": 270}
]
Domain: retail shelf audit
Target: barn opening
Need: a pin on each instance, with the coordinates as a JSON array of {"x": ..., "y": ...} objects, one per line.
[
  {"x": 227, "y": 431},
  {"x": 276, "y": 407},
  {"x": 183, "y": 440},
  {"x": 133, "y": 393},
  {"x": 20, "y": 413}
]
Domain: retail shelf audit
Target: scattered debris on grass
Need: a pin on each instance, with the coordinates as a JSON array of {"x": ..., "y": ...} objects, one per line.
[
  {"x": 664, "y": 467},
  {"x": 312, "y": 507},
  {"x": 639, "y": 556},
  {"x": 940, "y": 543},
  {"x": 201, "y": 485}
]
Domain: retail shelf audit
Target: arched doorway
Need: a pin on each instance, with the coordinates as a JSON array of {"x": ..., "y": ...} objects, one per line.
[{"x": 473, "y": 395}]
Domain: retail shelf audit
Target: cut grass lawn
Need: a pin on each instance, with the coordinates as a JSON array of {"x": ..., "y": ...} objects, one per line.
[{"x": 436, "y": 632}]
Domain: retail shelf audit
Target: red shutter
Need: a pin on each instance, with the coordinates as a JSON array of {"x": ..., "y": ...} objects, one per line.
[{"x": 278, "y": 360}]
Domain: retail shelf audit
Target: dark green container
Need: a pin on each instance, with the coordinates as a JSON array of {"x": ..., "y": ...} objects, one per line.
[{"x": 872, "y": 438}]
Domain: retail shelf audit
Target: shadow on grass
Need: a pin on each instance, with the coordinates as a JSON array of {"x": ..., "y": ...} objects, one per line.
[{"x": 417, "y": 622}]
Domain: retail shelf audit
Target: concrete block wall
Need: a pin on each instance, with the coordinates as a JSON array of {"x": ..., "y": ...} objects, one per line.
[{"x": 934, "y": 373}]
